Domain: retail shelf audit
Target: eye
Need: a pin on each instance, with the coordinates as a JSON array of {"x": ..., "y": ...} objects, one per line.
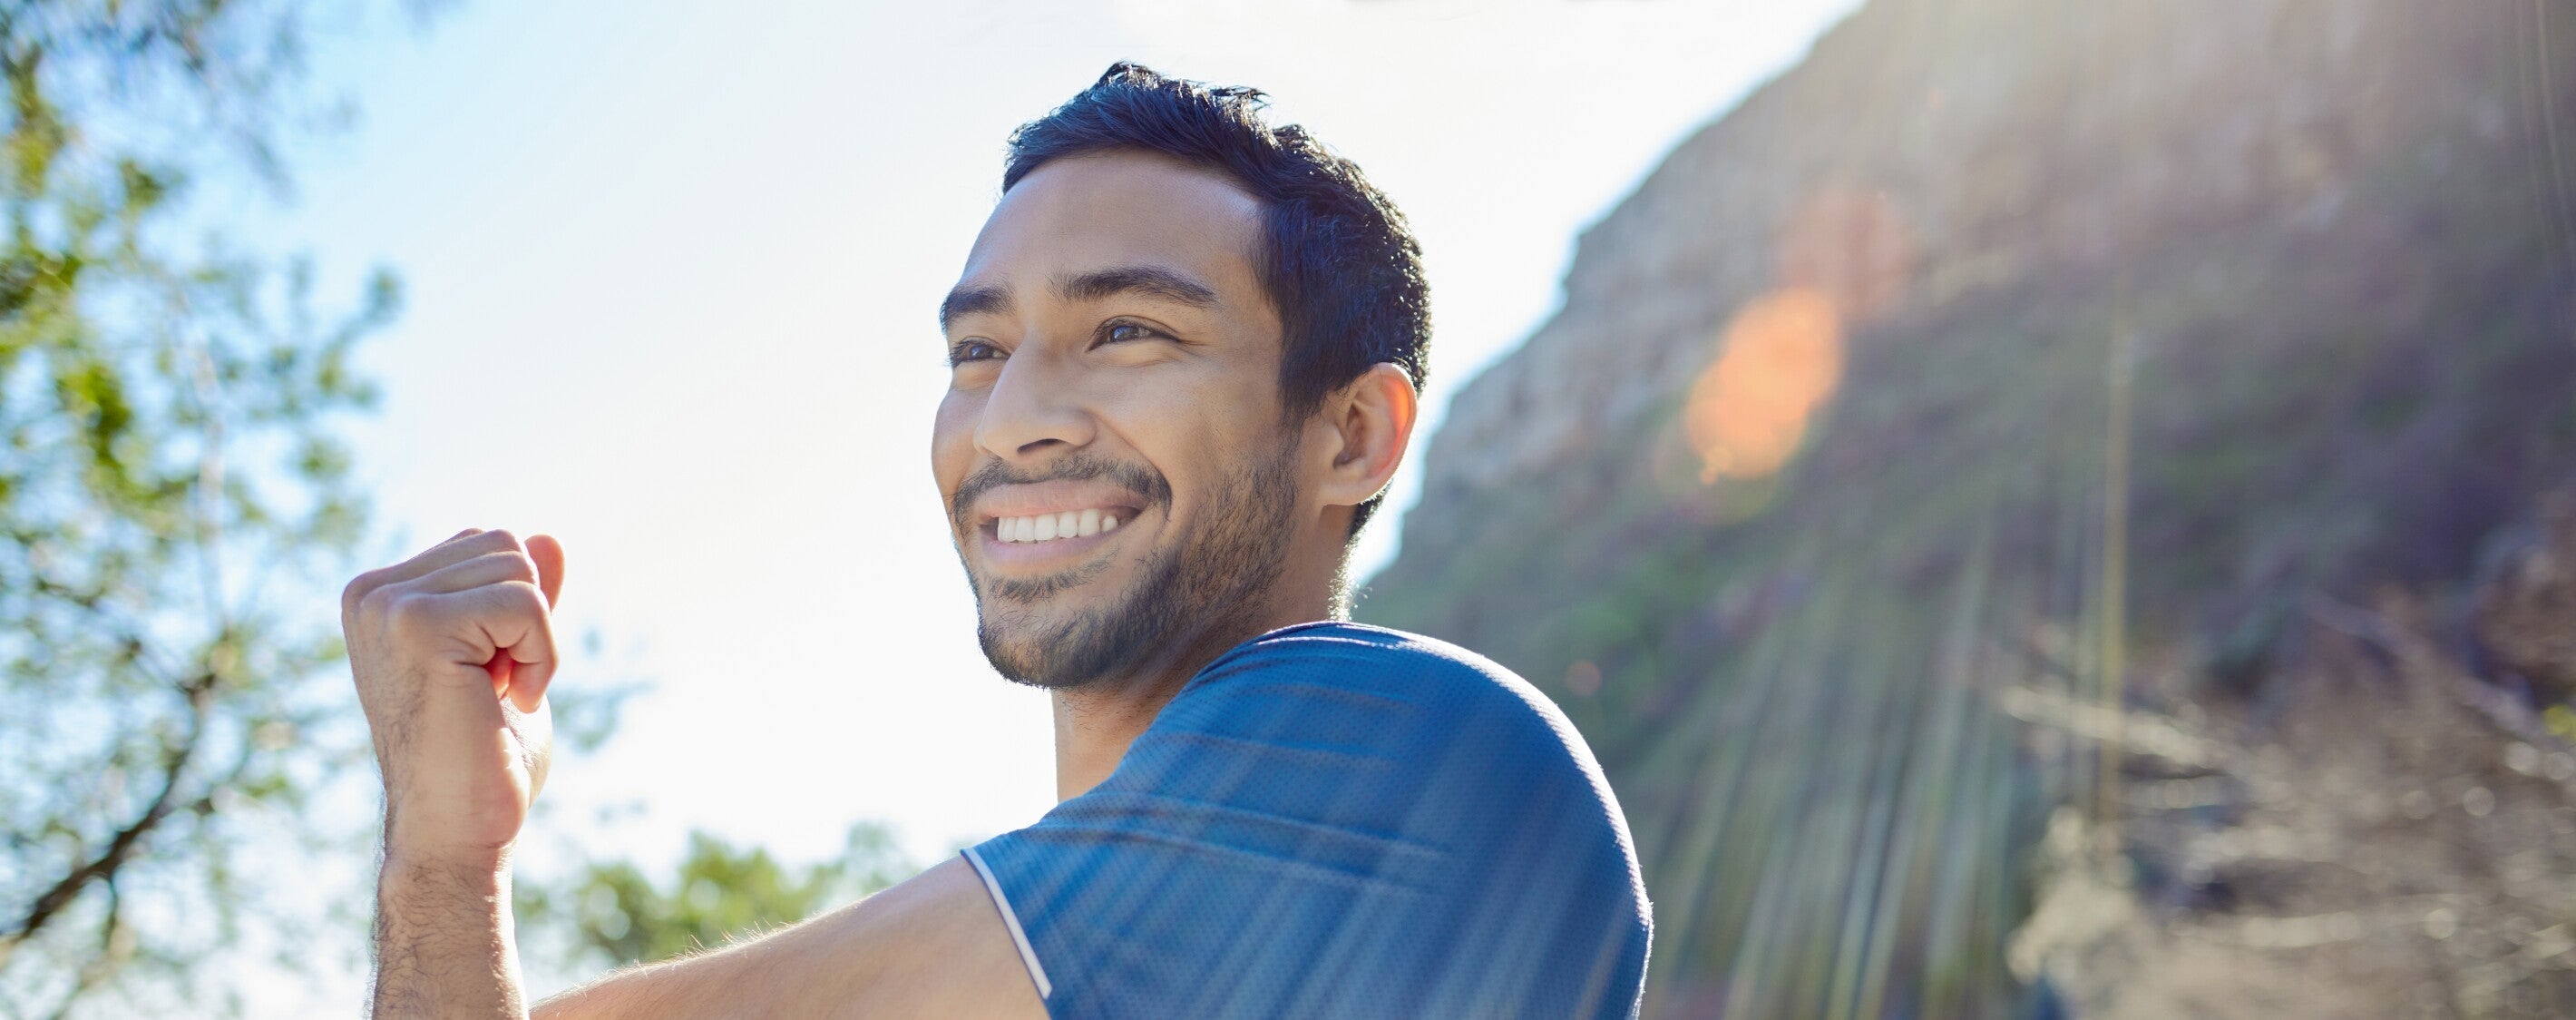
[
  {"x": 1117, "y": 331},
  {"x": 972, "y": 350}
]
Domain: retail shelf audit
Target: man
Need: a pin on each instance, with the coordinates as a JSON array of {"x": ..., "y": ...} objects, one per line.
[{"x": 1185, "y": 353}]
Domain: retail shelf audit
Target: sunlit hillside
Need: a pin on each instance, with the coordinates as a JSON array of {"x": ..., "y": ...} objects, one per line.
[{"x": 2017, "y": 387}]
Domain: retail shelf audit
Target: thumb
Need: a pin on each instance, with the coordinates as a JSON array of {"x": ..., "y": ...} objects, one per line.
[{"x": 549, "y": 555}]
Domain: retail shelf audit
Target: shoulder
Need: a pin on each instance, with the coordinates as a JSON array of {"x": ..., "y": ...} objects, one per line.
[
  {"x": 1449, "y": 715},
  {"x": 1386, "y": 676},
  {"x": 1371, "y": 803},
  {"x": 1493, "y": 804}
]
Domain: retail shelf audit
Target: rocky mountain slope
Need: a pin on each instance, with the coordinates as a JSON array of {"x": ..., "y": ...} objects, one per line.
[{"x": 2009, "y": 380}]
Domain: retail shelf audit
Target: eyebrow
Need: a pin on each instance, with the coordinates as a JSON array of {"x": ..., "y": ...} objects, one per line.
[
  {"x": 965, "y": 300},
  {"x": 1144, "y": 281}
]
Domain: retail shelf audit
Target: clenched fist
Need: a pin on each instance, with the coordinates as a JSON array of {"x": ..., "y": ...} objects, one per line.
[{"x": 452, "y": 650}]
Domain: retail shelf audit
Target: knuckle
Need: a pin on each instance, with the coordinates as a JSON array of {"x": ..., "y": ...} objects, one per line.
[
  {"x": 377, "y": 601},
  {"x": 397, "y": 608},
  {"x": 522, "y": 600},
  {"x": 522, "y": 568},
  {"x": 406, "y": 612},
  {"x": 523, "y": 595},
  {"x": 356, "y": 590}
]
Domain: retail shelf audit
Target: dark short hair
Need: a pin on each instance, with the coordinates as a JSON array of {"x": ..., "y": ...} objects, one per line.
[{"x": 1342, "y": 270}]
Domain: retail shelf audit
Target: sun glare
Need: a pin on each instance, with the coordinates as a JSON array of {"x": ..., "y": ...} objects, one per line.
[{"x": 1778, "y": 360}]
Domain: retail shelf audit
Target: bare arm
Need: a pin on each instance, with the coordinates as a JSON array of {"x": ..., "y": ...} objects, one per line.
[
  {"x": 452, "y": 651},
  {"x": 933, "y": 946}
]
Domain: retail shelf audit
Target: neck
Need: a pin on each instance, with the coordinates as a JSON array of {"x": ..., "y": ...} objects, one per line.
[{"x": 1095, "y": 723}]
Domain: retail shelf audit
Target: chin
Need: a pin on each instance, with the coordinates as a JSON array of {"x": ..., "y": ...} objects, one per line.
[
  {"x": 1033, "y": 649},
  {"x": 1051, "y": 631},
  {"x": 1181, "y": 601}
]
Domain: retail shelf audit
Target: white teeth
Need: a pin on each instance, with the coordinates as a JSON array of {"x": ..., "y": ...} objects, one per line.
[{"x": 1048, "y": 527}]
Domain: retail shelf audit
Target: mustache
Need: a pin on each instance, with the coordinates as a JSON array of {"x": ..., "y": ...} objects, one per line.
[{"x": 1137, "y": 479}]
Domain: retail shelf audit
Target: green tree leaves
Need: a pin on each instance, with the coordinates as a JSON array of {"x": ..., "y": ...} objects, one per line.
[
  {"x": 175, "y": 503},
  {"x": 613, "y": 914}
]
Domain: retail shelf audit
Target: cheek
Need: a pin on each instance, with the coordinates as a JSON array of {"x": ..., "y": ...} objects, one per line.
[
  {"x": 1198, "y": 444},
  {"x": 952, "y": 440}
]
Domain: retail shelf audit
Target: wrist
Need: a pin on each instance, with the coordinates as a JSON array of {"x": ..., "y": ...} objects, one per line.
[
  {"x": 447, "y": 863},
  {"x": 436, "y": 902},
  {"x": 444, "y": 936},
  {"x": 418, "y": 840}
]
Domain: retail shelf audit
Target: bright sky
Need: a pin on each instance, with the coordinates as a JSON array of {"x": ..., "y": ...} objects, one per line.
[{"x": 671, "y": 281}]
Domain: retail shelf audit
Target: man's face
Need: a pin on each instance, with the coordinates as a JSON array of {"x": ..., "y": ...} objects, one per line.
[{"x": 1119, "y": 483}]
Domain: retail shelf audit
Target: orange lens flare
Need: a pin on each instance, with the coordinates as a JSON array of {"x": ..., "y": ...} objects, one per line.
[{"x": 1779, "y": 359}]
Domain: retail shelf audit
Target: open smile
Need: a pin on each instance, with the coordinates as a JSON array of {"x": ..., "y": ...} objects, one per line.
[
  {"x": 1050, "y": 524},
  {"x": 1082, "y": 523}
]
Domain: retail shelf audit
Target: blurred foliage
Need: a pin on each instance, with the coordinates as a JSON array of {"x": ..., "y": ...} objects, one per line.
[
  {"x": 173, "y": 501},
  {"x": 614, "y": 914}
]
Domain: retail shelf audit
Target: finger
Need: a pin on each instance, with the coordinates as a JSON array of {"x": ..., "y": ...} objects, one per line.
[
  {"x": 514, "y": 619},
  {"x": 489, "y": 568},
  {"x": 549, "y": 556},
  {"x": 454, "y": 550},
  {"x": 533, "y": 669},
  {"x": 511, "y": 635}
]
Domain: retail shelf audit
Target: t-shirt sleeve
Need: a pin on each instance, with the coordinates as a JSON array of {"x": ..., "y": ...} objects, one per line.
[{"x": 1335, "y": 821}]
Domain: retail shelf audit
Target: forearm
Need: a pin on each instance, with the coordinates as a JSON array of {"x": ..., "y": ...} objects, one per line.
[
  {"x": 698, "y": 986},
  {"x": 444, "y": 946}
]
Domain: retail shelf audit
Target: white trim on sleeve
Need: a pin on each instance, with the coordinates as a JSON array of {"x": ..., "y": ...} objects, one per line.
[{"x": 1028, "y": 955}]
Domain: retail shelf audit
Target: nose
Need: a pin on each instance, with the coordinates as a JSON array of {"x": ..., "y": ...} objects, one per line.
[{"x": 1032, "y": 410}]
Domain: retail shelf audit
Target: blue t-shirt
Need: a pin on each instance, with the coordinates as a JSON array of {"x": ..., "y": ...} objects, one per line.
[{"x": 1334, "y": 820}]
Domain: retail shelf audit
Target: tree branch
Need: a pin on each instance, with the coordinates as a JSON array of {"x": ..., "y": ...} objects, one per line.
[
  {"x": 199, "y": 691},
  {"x": 98, "y": 970}
]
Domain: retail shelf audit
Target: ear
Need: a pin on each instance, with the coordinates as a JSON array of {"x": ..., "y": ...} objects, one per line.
[{"x": 1367, "y": 425}]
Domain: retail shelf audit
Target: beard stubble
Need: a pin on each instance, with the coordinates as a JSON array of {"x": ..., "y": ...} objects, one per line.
[{"x": 1191, "y": 600}]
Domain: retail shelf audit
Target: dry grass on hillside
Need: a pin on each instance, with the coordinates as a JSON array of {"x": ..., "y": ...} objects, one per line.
[{"x": 2382, "y": 834}]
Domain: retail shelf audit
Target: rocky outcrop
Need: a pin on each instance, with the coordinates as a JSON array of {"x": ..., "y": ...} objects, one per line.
[
  {"x": 2011, "y": 140},
  {"x": 2008, "y": 352}
]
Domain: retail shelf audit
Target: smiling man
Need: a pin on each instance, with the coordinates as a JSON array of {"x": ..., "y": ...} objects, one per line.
[{"x": 1185, "y": 357}]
